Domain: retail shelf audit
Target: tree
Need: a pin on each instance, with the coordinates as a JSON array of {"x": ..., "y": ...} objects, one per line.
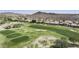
[{"x": 33, "y": 21}]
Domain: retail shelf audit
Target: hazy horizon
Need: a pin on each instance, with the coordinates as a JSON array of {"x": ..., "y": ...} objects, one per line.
[{"x": 48, "y": 11}]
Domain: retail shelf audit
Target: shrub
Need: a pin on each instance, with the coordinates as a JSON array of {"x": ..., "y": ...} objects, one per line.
[{"x": 60, "y": 44}]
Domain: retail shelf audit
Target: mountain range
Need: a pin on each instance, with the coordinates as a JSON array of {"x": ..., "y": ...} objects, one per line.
[{"x": 40, "y": 15}]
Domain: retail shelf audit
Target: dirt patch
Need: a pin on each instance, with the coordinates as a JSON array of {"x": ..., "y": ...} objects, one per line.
[{"x": 43, "y": 41}]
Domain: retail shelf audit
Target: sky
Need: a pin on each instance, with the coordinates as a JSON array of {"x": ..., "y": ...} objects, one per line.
[{"x": 48, "y": 11}]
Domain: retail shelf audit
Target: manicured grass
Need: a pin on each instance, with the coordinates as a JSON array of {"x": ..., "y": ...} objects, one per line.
[
  {"x": 6, "y": 32},
  {"x": 13, "y": 35},
  {"x": 73, "y": 36},
  {"x": 19, "y": 37}
]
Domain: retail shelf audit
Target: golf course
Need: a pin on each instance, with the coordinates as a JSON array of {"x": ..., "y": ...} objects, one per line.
[{"x": 33, "y": 35}]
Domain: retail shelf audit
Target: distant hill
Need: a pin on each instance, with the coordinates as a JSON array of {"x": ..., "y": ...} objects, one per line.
[
  {"x": 44, "y": 13},
  {"x": 39, "y": 15}
]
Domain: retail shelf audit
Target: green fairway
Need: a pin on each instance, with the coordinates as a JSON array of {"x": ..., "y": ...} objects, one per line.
[
  {"x": 73, "y": 36},
  {"x": 29, "y": 32}
]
